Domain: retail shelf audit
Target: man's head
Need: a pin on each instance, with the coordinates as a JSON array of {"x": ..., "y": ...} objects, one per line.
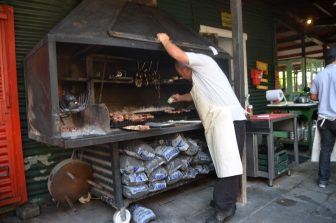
[
  {"x": 183, "y": 70},
  {"x": 331, "y": 55}
]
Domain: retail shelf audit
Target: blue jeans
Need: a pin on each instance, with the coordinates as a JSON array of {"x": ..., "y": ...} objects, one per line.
[{"x": 328, "y": 136}]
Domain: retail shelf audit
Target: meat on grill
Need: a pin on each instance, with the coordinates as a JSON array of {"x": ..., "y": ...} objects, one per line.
[
  {"x": 120, "y": 117},
  {"x": 117, "y": 117},
  {"x": 137, "y": 127},
  {"x": 177, "y": 111}
]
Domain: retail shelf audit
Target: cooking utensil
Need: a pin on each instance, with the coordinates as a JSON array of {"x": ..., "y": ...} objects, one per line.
[
  {"x": 159, "y": 124},
  {"x": 185, "y": 121}
]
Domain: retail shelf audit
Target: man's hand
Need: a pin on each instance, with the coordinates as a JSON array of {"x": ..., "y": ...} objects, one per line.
[
  {"x": 313, "y": 97},
  {"x": 180, "y": 98},
  {"x": 163, "y": 37},
  {"x": 176, "y": 98}
]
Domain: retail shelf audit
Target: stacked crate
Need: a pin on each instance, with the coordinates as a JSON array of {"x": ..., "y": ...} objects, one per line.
[{"x": 280, "y": 162}]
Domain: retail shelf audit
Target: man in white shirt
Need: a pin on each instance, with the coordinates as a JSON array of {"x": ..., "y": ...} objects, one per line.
[
  {"x": 324, "y": 89},
  {"x": 214, "y": 86}
]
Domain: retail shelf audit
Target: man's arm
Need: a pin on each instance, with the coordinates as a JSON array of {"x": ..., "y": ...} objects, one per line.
[
  {"x": 180, "y": 98},
  {"x": 313, "y": 97},
  {"x": 174, "y": 51},
  {"x": 314, "y": 91}
]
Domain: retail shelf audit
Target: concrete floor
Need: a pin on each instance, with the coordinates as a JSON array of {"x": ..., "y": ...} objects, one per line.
[{"x": 294, "y": 198}]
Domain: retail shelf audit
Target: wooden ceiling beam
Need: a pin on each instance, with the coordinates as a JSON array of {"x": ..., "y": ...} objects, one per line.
[
  {"x": 322, "y": 9},
  {"x": 293, "y": 2},
  {"x": 291, "y": 21},
  {"x": 322, "y": 23},
  {"x": 332, "y": 37},
  {"x": 299, "y": 54},
  {"x": 289, "y": 38},
  {"x": 296, "y": 46}
]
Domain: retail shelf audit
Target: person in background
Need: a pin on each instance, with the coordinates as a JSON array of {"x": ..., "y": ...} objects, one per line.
[
  {"x": 210, "y": 82},
  {"x": 323, "y": 89}
]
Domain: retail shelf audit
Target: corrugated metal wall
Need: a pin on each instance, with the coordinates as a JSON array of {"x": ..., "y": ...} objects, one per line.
[
  {"x": 259, "y": 24},
  {"x": 34, "y": 18}
]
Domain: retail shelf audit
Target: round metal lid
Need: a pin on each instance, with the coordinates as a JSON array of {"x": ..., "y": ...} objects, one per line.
[{"x": 68, "y": 180}]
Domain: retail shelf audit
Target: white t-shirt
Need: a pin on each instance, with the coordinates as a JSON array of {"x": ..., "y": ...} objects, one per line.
[{"x": 214, "y": 85}]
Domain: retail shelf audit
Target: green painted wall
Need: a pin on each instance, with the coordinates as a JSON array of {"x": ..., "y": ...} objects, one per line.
[{"x": 34, "y": 18}]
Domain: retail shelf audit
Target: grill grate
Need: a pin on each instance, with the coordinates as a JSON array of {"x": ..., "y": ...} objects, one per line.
[{"x": 160, "y": 116}]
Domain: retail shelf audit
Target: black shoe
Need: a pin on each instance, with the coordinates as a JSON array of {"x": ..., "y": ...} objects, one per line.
[
  {"x": 322, "y": 183},
  {"x": 222, "y": 216}
]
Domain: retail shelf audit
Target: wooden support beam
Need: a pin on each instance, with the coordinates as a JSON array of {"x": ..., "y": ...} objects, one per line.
[
  {"x": 325, "y": 51},
  {"x": 303, "y": 55},
  {"x": 238, "y": 50},
  {"x": 238, "y": 69},
  {"x": 303, "y": 46}
]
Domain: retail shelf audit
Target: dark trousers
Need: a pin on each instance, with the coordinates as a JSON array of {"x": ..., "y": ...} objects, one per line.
[
  {"x": 328, "y": 136},
  {"x": 226, "y": 189}
]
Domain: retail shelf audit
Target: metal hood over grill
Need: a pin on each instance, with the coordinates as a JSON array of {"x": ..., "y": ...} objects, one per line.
[{"x": 125, "y": 24}]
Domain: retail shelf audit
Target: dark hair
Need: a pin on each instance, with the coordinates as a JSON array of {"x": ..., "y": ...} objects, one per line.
[{"x": 331, "y": 55}]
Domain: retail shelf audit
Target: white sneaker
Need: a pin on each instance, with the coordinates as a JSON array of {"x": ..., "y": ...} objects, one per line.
[{"x": 323, "y": 184}]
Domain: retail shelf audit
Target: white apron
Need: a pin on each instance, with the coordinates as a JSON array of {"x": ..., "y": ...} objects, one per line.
[
  {"x": 220, "y": 135},
  {"x": 317, "y": 147}
]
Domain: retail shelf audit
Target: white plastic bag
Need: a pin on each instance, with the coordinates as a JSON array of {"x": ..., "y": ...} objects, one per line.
[
  {"x": 189, "y": 173},
  {"x": 158, "y": 174},
  {"x": 153, "y": 164},
  {"x": 174, "y": 165},
  {"x": 202, "y": 169},
  {"x": 193, "y": 148},
  {"x": 141, "y": 214},
  {"x": 180, "y": 142},
  {"x": 157, "y": 185},
  {"x": 139, "y": 149},
  {"x": 201, "y": 158},
  {"x": 134, "y": 192},
  {"x": 131, "y": 165},
  {"x": 167, "y": 152},
  {"x": 174, "y": 177},
  {"x": 134, "y": 179},
  {"x": 186, "y": 160}
]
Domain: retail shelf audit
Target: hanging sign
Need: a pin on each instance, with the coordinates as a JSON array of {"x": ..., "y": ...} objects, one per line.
[
  {"x": 226, "y": 20},
  {"x": 262, "y": 66}
]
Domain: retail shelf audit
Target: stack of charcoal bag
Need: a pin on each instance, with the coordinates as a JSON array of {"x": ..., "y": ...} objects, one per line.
[
  {"x": 192, "y": 158},
  {"x": 132, "y": 168},
  {"x": 175, "y": 158}
]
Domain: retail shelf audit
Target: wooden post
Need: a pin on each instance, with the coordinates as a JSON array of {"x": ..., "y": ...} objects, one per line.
[
  {"x": 303, "y": 65},
  {"x": 324, "y": 51},
  {"x": 238, "y": 49},
  {"x": 117, "y": 188},
  {"x": 238, "y": 69}
]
